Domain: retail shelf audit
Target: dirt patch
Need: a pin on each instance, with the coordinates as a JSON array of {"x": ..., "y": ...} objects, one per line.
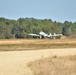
[{"x": 15, "y": 62}]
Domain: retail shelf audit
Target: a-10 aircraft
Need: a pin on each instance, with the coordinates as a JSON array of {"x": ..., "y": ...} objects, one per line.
[{"x": 42, "y": 35}]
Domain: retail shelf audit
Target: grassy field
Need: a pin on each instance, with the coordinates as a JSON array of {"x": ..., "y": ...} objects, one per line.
[
  {"x": 54, "y": 66},
  {"x": 35, "y": 44},
  {"x": 15, "y": 62}
]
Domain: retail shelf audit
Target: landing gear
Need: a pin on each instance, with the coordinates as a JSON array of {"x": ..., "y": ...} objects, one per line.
[{"x": 41, "y": 36}]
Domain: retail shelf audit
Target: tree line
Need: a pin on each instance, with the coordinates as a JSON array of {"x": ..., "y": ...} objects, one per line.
[{"x": 21, "y": 27}]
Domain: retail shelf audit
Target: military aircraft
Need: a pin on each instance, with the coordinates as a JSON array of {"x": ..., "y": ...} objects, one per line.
[{"x": 42, "y": 35}]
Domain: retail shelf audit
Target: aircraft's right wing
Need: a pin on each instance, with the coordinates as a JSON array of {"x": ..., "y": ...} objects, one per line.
[{"x": 33, "y": 34}]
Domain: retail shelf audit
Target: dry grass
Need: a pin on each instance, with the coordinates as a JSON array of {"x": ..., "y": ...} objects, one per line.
[
  {"x": 54, "y": 66},
  {"x": 35, "y": 44},
  {"x": 38, "y": 41}
]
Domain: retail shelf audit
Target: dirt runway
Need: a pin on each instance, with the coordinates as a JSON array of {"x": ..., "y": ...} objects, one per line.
[{"x": 15, "y": 62}]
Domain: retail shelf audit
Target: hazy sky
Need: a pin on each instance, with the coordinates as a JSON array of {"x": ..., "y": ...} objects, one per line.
[{"x": 59, "y": 10}]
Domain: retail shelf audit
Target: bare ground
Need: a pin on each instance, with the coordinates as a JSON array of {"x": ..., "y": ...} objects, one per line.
[{"x": 15, "y": 62}]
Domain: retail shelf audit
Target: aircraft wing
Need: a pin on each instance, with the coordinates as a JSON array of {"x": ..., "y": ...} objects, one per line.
[
  {"x": 57, "y": 34},
  {"x": 33, "y": 34}
]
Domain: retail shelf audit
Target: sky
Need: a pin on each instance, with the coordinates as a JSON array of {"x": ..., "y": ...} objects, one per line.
[{"x": 56, "y": 10}]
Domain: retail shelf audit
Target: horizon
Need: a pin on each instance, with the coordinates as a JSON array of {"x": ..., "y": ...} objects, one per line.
[{"x": 37, "y": 19}]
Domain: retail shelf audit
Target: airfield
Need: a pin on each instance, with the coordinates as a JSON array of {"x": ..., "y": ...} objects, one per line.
[{"x": 17, "y": 53}]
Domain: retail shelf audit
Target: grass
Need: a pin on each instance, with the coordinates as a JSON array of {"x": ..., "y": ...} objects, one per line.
[
  {"x": 35, "y": 44},
  {"x": 54, "y": 66}
]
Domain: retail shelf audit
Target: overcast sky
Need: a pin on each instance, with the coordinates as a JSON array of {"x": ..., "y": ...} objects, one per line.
[{"x": 57, "y": 10}]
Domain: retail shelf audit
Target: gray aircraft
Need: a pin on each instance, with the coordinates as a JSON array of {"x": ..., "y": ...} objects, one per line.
[{"x": 42, "y": 35}]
